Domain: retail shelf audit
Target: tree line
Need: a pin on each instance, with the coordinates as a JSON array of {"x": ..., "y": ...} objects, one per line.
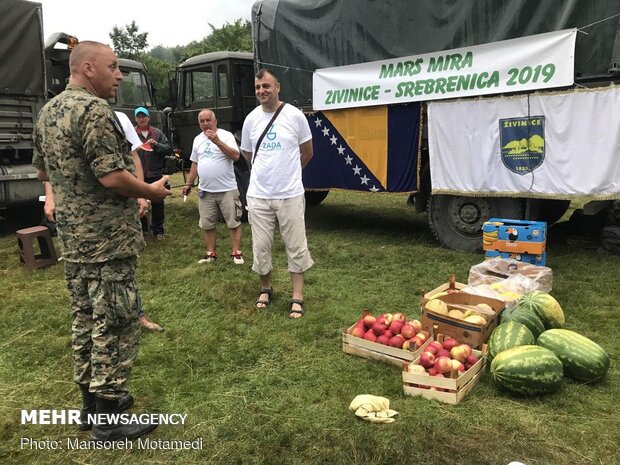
[{"x": 160, "y": 61}]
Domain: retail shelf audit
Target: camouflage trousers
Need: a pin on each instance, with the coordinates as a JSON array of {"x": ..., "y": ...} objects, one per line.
[{"x": 105, "y": 329}]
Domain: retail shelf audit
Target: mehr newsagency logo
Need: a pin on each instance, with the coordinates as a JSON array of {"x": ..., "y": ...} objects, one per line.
[{"x": 522, "y": 142}]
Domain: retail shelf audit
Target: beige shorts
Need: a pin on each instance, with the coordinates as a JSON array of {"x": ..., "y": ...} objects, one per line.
[
  {"x": 289, "y": 214},
  {"x": 212, "y": 204}
]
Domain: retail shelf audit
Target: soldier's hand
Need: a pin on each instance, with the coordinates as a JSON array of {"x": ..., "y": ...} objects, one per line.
[
  {"x": 49, "y": 208},
  {"x": 143, "y": 207},
  {"x": 158, "y": 189}
]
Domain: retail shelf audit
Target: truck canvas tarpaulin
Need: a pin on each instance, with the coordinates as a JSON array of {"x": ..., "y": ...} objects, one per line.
[
  {"x": 297, "y": 37},
  {"x": 22, "y": 33}
]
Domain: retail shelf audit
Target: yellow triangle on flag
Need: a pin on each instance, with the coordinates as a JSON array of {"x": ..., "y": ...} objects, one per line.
[{"x": 365, "y": 131}]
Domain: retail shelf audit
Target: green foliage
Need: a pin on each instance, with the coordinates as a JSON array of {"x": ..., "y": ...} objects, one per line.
[
  {"x": 235, "y": 37},
  {"x": 128, "y": 42},
  {"x": 161, "y": 61},
  {"x": 261, "y": 389},
  {"x": 159, "y": 70}
]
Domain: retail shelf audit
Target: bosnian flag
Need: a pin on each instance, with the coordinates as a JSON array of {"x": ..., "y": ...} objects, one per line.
[{"x": 372, "y": 149}]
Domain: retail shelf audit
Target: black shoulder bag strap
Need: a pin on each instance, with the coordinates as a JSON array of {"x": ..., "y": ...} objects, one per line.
[{"x": 260, "y": 139}]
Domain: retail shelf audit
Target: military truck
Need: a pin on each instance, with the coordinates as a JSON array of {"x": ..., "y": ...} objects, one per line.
[
  {"x": 222, "y": 81},
  {"x": 297, "y": 37},
  {"x": 32, "y": 72}
]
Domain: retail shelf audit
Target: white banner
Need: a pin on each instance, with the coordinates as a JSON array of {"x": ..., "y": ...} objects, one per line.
[
  {"x": 533, "y": 62},
  {"x": 554, "y": 145}
]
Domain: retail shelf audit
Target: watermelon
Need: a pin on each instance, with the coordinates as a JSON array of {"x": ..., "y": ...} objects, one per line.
[
  {"x": 508, "y": 335},
  {"x": 546, "y": 307},
  {"x": 527, "y": 370},
  {"x": 526, "y": 317},
  {"x": 582, "y": 358}
]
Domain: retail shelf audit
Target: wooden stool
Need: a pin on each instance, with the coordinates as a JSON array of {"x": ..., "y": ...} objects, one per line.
[{"x": 25, "y": 241}]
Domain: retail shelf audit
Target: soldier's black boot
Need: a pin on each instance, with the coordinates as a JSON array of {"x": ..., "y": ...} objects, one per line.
[
  {"x": 115, "y": 431},
  {"x": 89, "y": 406}
]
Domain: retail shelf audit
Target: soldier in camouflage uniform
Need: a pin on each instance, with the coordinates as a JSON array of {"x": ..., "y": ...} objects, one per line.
[{"x": 81, "y": 149}]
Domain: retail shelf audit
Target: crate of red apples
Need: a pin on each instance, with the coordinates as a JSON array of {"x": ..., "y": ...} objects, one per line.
[
  {"x": 389, "y": 337},
  {"x": 446, "y": 370}
]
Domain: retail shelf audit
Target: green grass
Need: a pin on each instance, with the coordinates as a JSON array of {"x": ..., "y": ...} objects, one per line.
[{"x": 261, "y": 389}]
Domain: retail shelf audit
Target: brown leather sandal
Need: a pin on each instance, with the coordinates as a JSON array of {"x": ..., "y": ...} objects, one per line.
[
  {"x": 264, "y": 302},
  {"x": 294, "y": 311}
]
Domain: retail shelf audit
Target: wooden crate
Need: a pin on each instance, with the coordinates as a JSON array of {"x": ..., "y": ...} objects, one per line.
[
  {"x": 373, "y": 350},
  {"x": 453, "y": 389},
  {"x": 467, "y": 333}
]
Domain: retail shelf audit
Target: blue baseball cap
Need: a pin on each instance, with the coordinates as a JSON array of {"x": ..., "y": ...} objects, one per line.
[{"x": 141, "y": 110}]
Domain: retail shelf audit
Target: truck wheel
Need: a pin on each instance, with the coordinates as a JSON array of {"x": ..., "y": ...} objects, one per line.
[
  {"x": 314, "y": 198},
  {"x": 456, "y": 221}
]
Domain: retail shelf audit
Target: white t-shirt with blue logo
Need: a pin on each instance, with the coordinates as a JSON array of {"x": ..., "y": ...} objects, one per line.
[
  {"x": 276, "y": 169},
  {"x": 215, "y": 170}
]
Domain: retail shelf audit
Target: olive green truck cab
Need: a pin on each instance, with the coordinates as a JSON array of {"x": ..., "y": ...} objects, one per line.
[{"x": 32, "y": 72}]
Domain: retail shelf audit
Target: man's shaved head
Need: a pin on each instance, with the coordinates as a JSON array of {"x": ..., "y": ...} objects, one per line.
[
  {"x": 84, "y": 51},
  {"x": 94, "y": 66}
]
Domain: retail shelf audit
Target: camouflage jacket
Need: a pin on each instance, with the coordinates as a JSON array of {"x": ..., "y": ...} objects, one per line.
[{"x": 78, "y": 140}]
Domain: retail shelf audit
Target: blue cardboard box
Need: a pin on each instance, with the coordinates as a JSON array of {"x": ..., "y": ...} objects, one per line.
[
  {"x": 532, "y": 259},
  {"x": 514, "y": 236}
]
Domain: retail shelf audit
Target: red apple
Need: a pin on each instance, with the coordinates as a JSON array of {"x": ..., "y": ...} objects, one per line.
[
  {"x": 416, "y": 324},
  {"x": 449, "y": 343},
  {"x": 408, "y": 345},
  {"x": 396, "y": 326},
  {"x": 369, "y": 320},
  {"x": 397, "y": 341},
  {"x": 425, "y": 332},
  {"x": 378, "y": 328},
  {"x": 432, "y": 371},
  {"x": 422, "y": 336},
  {"x": 387, "y": 319},
  {"x": 443, "y": 353},
  {"x": 418, "y": 342},
  {"x": 370, "y": 336},
  {"x": 388, "y": 333},
  {"x": 399, "y": 317},
  {"x": 461, "y": 352},
  {"x": 427, "y": 359},
  {"x": 436, "y": 344},
  {"x": 443, "y": 365},
  {"x": 432, "y": 349},
  {"x": 470, "y": 361},
  {"x": 408, "y": 331},
  {"x": 358, "y": 331},
  {"x": 456, "y": 365},
  {"x": 383, "y": 339}
]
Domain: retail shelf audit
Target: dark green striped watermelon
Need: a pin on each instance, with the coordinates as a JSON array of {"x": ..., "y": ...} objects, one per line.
[
  {"x": 582, "y": 358},
  {"x": 508, "y": 335},
  {"x": 527, "y": 370},
  {"x": 526, "y": 317},
  {"x": 546, "y": 307}
]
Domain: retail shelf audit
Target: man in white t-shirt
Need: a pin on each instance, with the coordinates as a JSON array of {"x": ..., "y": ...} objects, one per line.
[
  {"x": 213, "y": 153},
  {"x": 276, "y": 192}
]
